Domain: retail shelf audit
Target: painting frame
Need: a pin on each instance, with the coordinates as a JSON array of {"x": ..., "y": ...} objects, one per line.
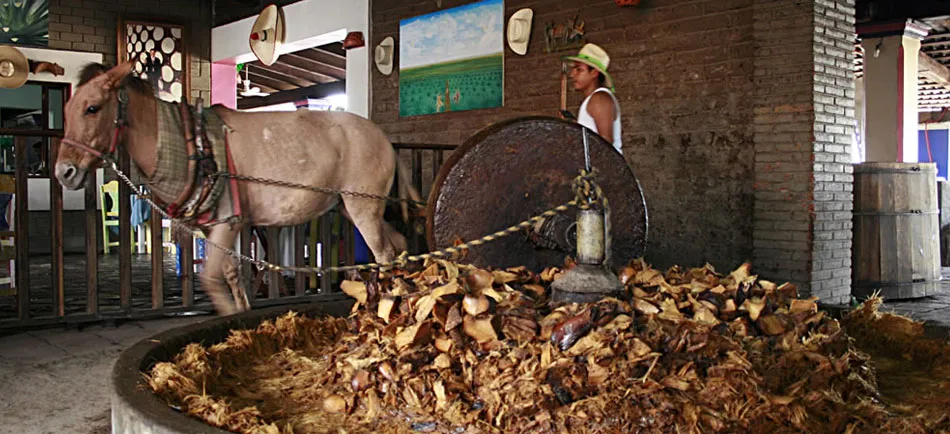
[
  {"x": 463, "y": 70},
  {"x": 181, "y": 76}
]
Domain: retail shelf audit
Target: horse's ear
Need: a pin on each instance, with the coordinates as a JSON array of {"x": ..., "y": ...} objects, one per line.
[{"x": 117, "y": 74}]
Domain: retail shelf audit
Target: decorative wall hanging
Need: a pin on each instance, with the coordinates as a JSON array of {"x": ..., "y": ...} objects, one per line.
[
  {"x": 452, "y": 60},
  {"x": 24, "y": 22},
  {"x": 384, "y": 56},
  {"x": 519, "y": 30},
  {"x": 14, "y": 67},
  {"x": 160, "y": 54},
  {"x": 564, "y": 36}
]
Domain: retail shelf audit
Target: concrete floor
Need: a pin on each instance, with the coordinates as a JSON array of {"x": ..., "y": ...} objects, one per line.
[{"x": 56, "y": 381}]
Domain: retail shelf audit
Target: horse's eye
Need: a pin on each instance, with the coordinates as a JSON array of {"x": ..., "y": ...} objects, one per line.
[{"x": 91, "y": 110}]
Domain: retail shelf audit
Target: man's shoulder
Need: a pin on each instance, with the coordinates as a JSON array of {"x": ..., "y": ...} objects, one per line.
[{"x": 600, "y": 102}]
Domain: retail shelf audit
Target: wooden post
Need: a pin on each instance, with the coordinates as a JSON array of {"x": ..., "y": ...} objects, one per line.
[
  {"x": 125, "y": 237},
  {"x": 92, "y": 244},
  {"x": 158, "y": 256},
  {"x": 56, "y": 211},
  {"x": 22, "y": 228}
]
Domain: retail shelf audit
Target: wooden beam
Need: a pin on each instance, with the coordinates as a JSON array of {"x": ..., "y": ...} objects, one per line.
[
  {"x": 309, "y": 64},
  {"x": 256, "y": 77},
  {"x": 283, "y": 75},
  {"x": 325, "y": 57},
  {"x": 933, "y": 70},
  {"x": 315, "y": 91},
  {"x": 290, "y": 67}
]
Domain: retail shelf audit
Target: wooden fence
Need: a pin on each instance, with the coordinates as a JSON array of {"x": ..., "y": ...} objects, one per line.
[{"x": 95, "y": 286}]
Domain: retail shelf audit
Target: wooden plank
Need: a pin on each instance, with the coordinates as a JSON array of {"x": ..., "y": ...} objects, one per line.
[
  {"x": 322, "y": 72},
  {"x": 933, "y": 70},
  {"x": 300, "y": 282},
  {"x": 258, "y": 76},
  {"x": 125, "y": 237},
  {"x": 335, "y": 62},
  {"x": 92, "y": 245},
  {"x": 158, "y": 256},
  {"x": 22, "y": 228},
  {"x": 281, "y": 75},
  {"x": 56, "y": 226},
  {"x": 273, "y": 256}
]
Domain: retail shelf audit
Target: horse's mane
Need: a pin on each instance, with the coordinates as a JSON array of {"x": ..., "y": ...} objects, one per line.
[{"x": 131, "y": 82}]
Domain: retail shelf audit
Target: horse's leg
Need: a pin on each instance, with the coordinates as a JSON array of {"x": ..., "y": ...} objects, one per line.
[
  {"x": 367, "y": 215},
  {"x": 213, "y": 278},
  {"x": 232, "y": 276},
  {"x": 395, "y": 238}
]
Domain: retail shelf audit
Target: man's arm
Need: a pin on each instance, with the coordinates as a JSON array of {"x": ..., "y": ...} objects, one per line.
[{"x": 601, "y": 108}]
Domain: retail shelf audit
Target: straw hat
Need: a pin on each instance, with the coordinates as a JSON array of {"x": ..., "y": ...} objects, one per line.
[
  {"x": 519, "y": 30},
  {"x": 384, "y": 56},
  {"x": 14, "y": 67},
  {"x": 267, "y": 35},
  {"x": 597, "y": 58}
]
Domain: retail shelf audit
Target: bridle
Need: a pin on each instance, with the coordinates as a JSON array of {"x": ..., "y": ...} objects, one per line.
[{"x": 121, "y": 121}]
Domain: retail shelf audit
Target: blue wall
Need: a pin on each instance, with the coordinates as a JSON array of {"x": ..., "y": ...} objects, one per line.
[{"x": 938, "y": 149}]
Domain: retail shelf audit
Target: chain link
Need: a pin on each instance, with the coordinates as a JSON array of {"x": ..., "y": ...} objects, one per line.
[
  {"x": 315, "y": 188},
  {"x": 586, "y": 192}
]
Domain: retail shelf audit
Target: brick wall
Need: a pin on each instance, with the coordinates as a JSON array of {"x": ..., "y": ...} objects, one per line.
[
  {"x": 90, "y": 25},
  {"x": 833, "y": 135},
  {"x": 804, "y": 118},
  {"x": 684, "y": 75}
]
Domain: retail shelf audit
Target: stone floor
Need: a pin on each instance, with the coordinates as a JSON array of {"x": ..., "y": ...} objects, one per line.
[
  {"x": 933, "y": 310},
  {"x": 57, "y": 380}
]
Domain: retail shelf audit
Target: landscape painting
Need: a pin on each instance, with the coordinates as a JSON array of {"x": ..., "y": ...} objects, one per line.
[
  {"x": 24, "y": 23},
  {"x": 452, "y": 60}
]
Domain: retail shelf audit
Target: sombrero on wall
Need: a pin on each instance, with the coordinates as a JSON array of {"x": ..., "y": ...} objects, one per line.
[
  {"x": 267, "y": 34},
  {"x": 14, "y": 67},
  {"x": 384, "y": 56},
  {"x": 519, "y": 30}
]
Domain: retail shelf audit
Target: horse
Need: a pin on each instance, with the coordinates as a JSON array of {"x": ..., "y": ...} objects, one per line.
[{"x": 334, "y": 150}]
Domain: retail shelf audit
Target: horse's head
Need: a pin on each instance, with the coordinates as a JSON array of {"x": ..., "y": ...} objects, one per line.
[{"x": 90, "y": 116}]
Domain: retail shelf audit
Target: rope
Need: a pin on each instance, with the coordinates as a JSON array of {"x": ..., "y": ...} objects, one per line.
[{"x": 586, "y": 193}]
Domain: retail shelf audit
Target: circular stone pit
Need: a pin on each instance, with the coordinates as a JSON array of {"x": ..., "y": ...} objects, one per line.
[{"x": 136, "y": 410}]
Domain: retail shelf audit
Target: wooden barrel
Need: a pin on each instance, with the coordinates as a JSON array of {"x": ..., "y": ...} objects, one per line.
[{"x": 896, "y": 233}]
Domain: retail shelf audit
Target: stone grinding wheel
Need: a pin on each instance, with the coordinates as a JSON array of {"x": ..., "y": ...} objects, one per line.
[{"x": 519, "y": 168}]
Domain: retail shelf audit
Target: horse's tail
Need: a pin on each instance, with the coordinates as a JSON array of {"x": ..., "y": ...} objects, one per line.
[{"x": 405, "y": 188}]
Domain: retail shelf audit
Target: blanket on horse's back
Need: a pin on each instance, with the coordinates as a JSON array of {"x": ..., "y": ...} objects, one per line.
[{"x": 171, "y": 166}]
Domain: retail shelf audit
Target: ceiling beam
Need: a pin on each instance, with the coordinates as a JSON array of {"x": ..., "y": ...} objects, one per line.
[
  {"x": 309, "y": 64},
  {"x": 256, "y": 78},
  {"x": 933, "y": 70},
  {"x": 290, "y": 68},
  {"x": 282, "y": 76},
  {"x": 323, "y": 56},
  {"x": 316, "y": 91}
]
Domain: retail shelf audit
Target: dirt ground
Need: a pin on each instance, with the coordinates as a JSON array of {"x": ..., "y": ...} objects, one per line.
[{"x": 57, "y": 381}]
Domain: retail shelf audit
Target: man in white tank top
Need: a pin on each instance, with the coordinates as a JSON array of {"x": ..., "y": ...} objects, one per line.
[{"x": 600, "y": 110}]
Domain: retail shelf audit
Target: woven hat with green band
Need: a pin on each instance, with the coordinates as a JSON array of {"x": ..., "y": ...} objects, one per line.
[{"x": 597, "y": 58}]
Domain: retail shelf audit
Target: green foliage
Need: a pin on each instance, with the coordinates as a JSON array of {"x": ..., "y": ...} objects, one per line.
[{"x": 24, "y": 22}]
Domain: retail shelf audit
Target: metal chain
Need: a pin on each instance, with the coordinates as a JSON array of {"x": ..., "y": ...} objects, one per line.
[
  {"x": 585, "y": 189},
  {"x": 314, "y": 188}
]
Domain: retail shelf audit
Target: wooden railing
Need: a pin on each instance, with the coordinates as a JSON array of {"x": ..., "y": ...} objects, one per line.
[{"x": 130, "y": 286}]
